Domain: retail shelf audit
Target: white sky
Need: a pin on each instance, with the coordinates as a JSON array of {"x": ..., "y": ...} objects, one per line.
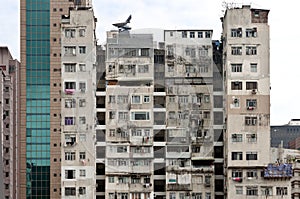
[{"x": 197, "y": 14}]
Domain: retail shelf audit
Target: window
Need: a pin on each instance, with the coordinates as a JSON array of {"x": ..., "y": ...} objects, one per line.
[
  {"x": 69, "y": 155},
  {"x": 146, "y": 98},
  {"x": 135, "y": 180},
  {"x": 82, "y": 137},
  {"x": 192, "y": 34},
  {"x": 70, "y": 103},
  {"x": 136, "y": 99},
  {"x": 81, "y": 32},
  {"x": 266, "y": 191},
  {"x": 82, "y": 49},
  {"x": 250, "y": 121},
  {"x": 207, "y": 195},
  {"x": 140, "y": 116},
  {"x": 251, "y": 104},
  {"x": 70, "y": 67},
  {"x": 184, "y": 34},
  {"x": 70, "y": 191},
  {"x": 70, "y": 139},
  {"x": 70, "y": 85},
  {"x": 111, "y": 179},
  {"x": 82, "y": 155},
  {"x": 122, "y": 99},
  {"x": 239, "y": 190},
  {"x": 82, "y": 190},
  {"x": 251, "y": 85},
  {"x": 236, "y": 102},
  {"x": 145, "y": 52},
  {"x": 203, "y": 69},
  {"x": 112, "y": 114},
  {"x": 251, "y": 50},
  {"x": 203, "y": 52},
  {"x": 253, "y": 67},
  {"x": 183, "y": 99},
  {"x": 69, "y": 120},
  {"x": 236, "y": 68},
  {"x": 82, "y": 86},
  {"x": 236, "y": 50},
  {"x": 81, "y": 102},
  {"x": 200, "y": 34},
  {"x": 196, "y": 195},
  {"x": 172, "y": 115},
  {"x": 252, "y": 174},
  {"x": 123, "y": 180},
  {"x": 207, "y": 180},
  {"x": 123, "y": 115},
  {"x": 170, "y": 50},
  {"x": 123, "y": 195},
  {"x": 236, "y": 85},
  {"x": 280, "y": 191},
  {"x": 82, "y": 173},
  {"x": 172, "y": 99},
  {"x": 172, "y": 195},
  {"x": 136, "y": 132},
  {"x": 237, "y": 137},
  {"x": 111, "y": 196},
  {"x": 143, "y": 68},
  {"x": 251, "y": 32},
  {"x": 111, "y": 99},
  {"x": 70, "y": 33},
  {"x": 122, "y": 149},
  {"x": 82, "y": 67},
  {"x": 171, "y": 33},
  {"x": 251, "y": 155},
  {"x": 251, "y": 138},
  {"x": 70, "y": 50},
  {"x": 69, "y": 174},
  {"x": 252, "y": 191},
  {"x": 237, "y": 32},
  {"x": 236, "y": 155},
  {"x": 207, "y": 34},
  {"x": 237, "y": 174},
  {"x": 170, "y": 68},
  {"x": 82, "y": 120}
]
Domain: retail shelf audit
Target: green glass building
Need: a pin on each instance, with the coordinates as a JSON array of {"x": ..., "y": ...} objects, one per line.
[{"x": 40, "y": 98}]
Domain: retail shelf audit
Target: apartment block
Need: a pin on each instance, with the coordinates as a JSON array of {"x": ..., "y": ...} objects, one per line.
[
  {"x": 9, "y": 100},
  {"x": 78, "y": 103},
  {"x": 247, "y": 105},
  {"x": 156, "y": 116}
]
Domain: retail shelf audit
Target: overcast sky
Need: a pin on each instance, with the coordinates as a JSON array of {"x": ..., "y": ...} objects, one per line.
[{"x": 197, "y": 14}]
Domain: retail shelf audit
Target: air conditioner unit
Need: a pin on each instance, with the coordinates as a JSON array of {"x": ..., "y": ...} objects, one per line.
[{"x": 254, "y": 91}]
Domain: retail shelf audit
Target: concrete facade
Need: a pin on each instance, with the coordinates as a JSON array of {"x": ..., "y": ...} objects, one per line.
[
  {"x": 9, "y": 94},
  {"x": 160, "y": 116},
  {"x": 78, "y": 104},
  {"x": 247, "y": 105}
]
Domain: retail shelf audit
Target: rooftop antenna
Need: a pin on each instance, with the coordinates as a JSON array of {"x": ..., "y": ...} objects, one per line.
[{"x": 123, "y": 25}]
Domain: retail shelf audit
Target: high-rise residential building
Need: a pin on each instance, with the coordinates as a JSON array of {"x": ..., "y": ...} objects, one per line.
[
  {"x": 78, "y": 104},
  {"x": 44, "y": 161},
  {"x": 9, "y": 106},
  {"x": 246, "y": 56},
  {"x": 160, "y": 116}
]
